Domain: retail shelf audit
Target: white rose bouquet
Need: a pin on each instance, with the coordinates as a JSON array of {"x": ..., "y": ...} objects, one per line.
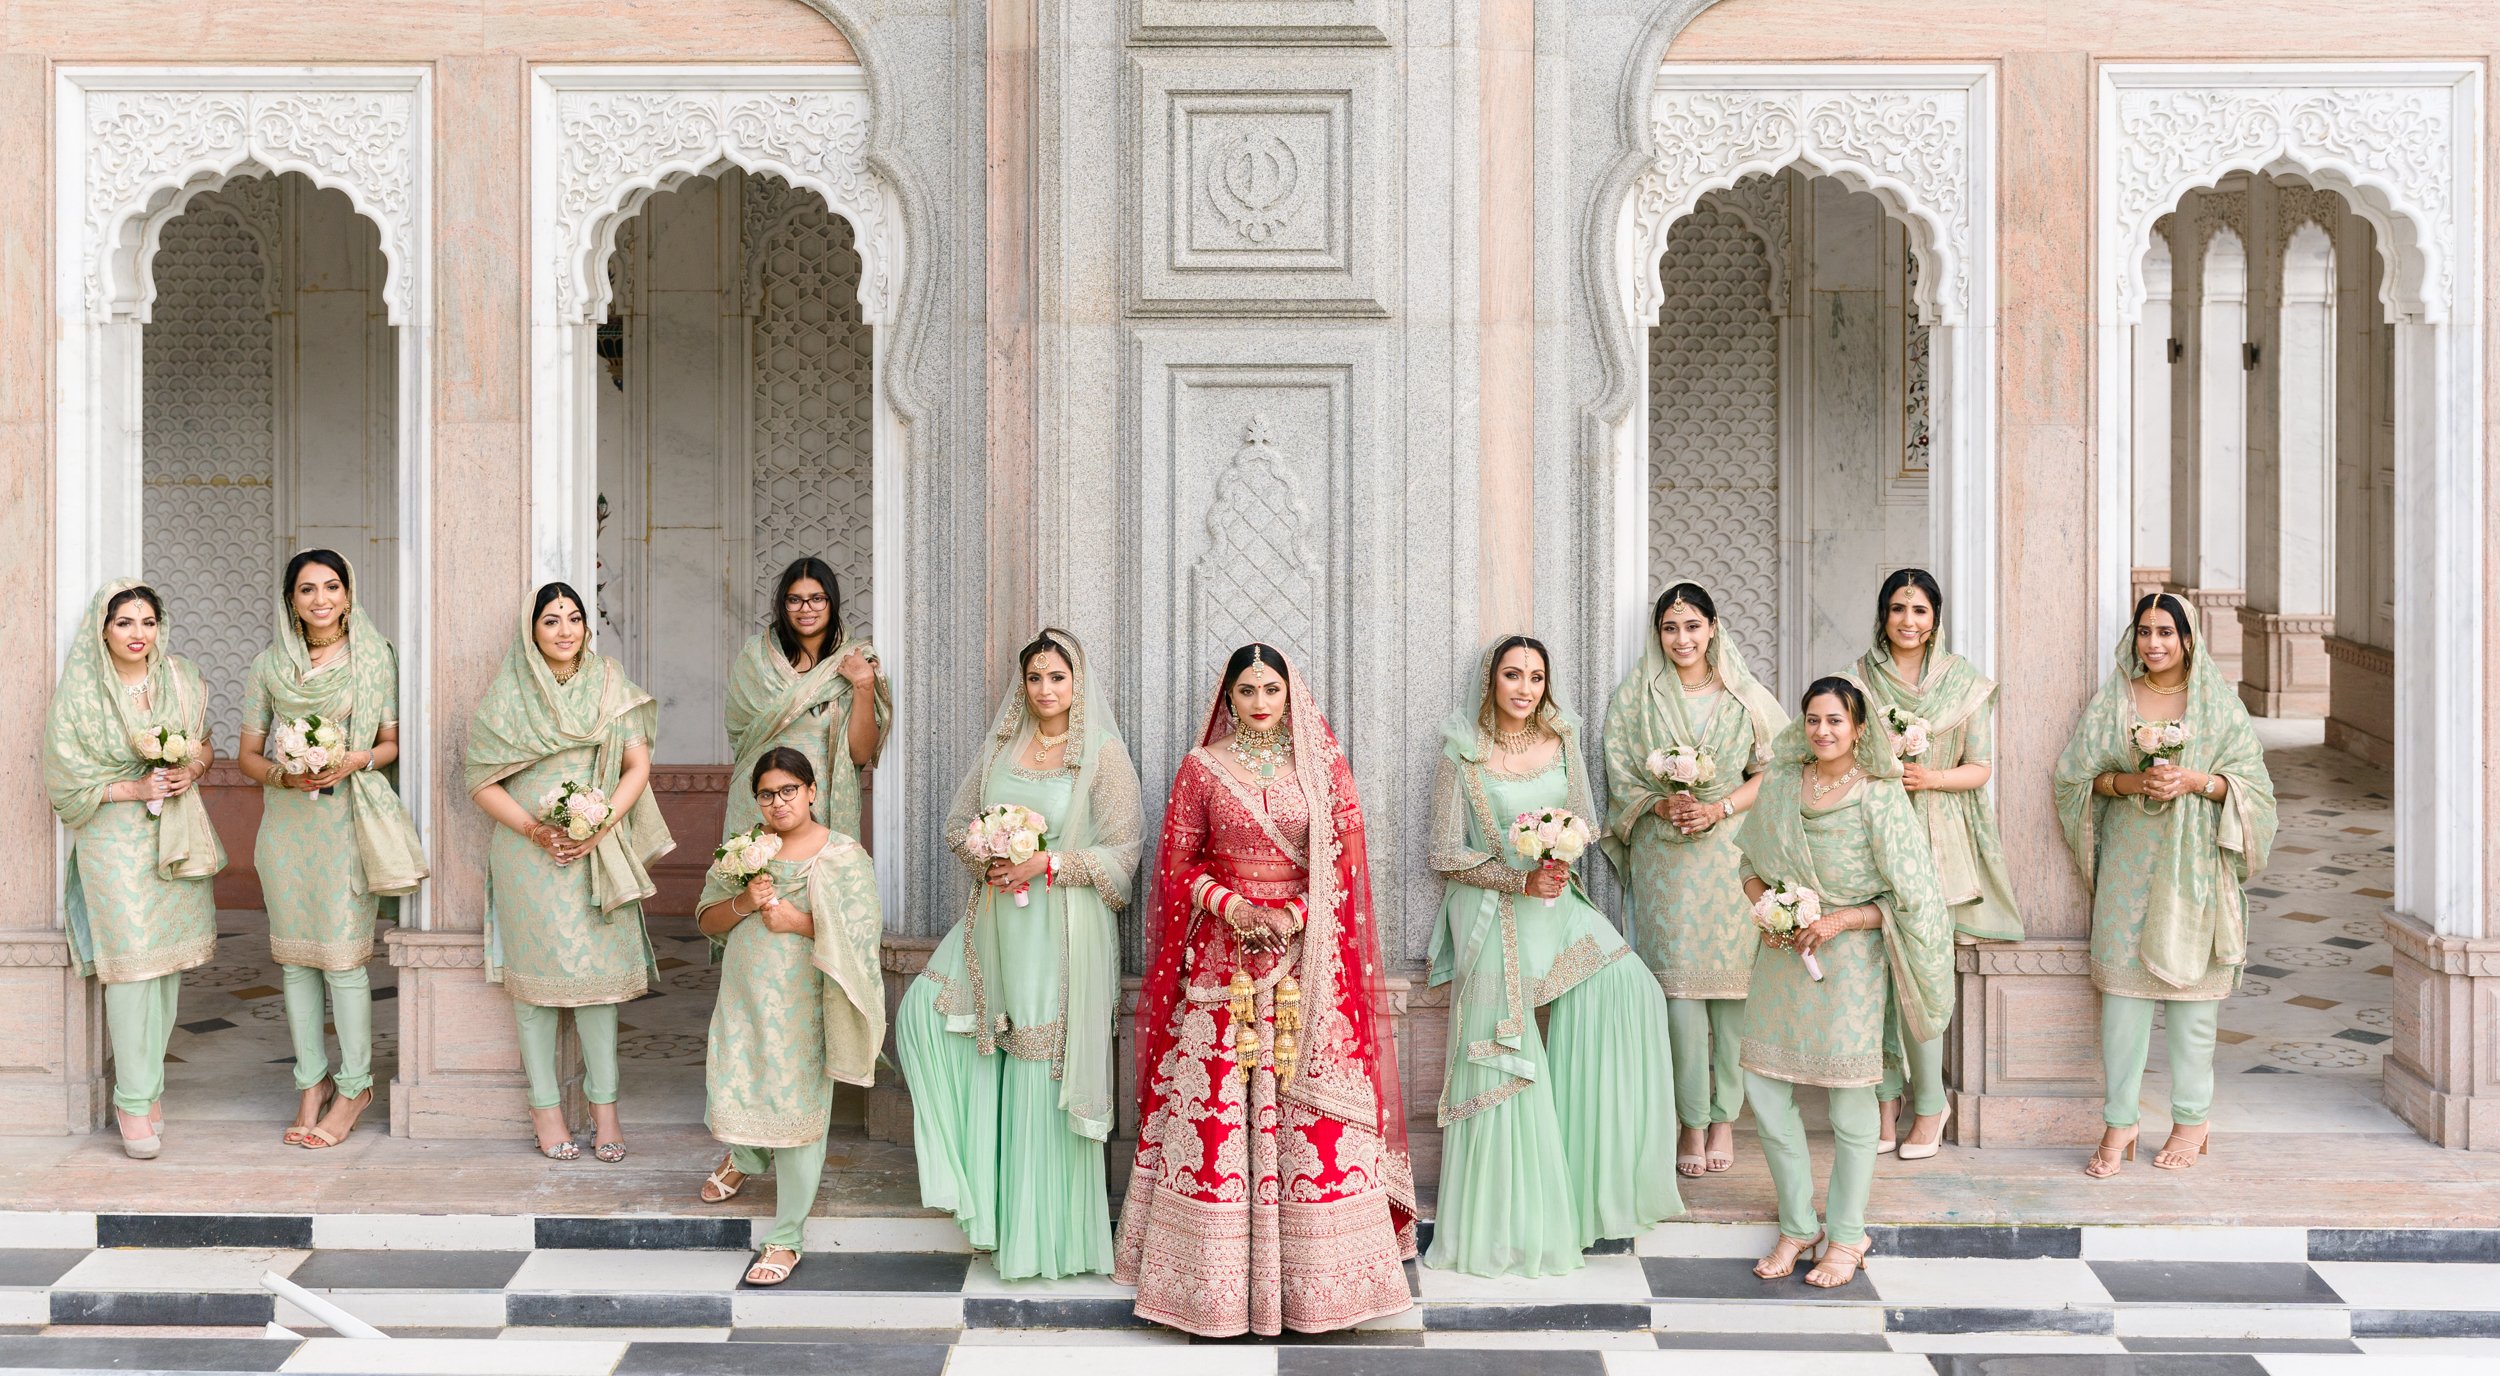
[
  {"x": 577, "y": 808},
  {"x": 1551, "y": 836},
  {"x": 308, "y": 745},
  {"x": 2159, "y": 740},
  {"x": 1784, "y": 910},
  {"x": 737, "y": 860},
  {"x": 1010, "y": 833},
  {"x": 1683, "y": 768},
  {"x": 160, "y": 748},
  {"x": 1910, "y": 735}
]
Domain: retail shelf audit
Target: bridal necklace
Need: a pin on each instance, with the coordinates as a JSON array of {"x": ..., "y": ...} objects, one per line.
[
  {"x": 337, "y": 634},
  {"x": 136, "y": 691},
  {"x": 1518, "y": 742},
  {"x": 1821, "y": 789},
  {"x": 1042, "y": 740},
  {"x": 1261, "y": 752}
]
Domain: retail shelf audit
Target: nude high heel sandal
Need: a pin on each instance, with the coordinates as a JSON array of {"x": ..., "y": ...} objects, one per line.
[
  {"x": 1920, "y": 1151},
  {"x": 2179, "y": 1153},
  {"x": 2105, "y": 1157}
]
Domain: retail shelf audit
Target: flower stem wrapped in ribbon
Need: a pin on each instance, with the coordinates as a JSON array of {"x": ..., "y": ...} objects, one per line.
[
  {"x": 1010, "y": 833},
  {"x": 743, "y": 855},
  {"x": 578, "y": 808},
  {"x": 1683, "y": 768},
  {"x": 162, "y": 747},
  {"x": 1784, "y": 910},
  {"x": 1551, "y": 836}
]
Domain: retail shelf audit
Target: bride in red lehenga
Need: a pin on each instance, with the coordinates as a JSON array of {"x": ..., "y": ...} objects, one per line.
[{"x": 1282, "y": 1198}]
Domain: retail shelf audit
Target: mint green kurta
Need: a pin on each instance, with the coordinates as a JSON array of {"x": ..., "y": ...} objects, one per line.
[
  {"x": 547, "y": 942},
  {"x": 770, "y": 1065},
  {"x": 771, "y": 704},
  {"x": 1869, "y": 847},
  {"x": 1551, "y": 1141},
  {"x": 321, "y": 912},
  {"x": 1684, "y": 901},
  {"x": 1959, "y": 707},
  {"x": 996, "y": 1147}
]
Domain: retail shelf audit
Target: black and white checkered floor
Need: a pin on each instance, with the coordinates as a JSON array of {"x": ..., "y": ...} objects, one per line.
[{"x": 184, "y": 1292}]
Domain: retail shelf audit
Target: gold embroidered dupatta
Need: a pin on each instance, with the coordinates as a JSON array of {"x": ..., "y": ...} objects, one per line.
[
  {"x": 1648, "y": 714},
  {"x": 90, "y": 739}
]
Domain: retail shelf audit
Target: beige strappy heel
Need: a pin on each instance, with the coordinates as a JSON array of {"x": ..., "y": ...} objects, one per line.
[
  {"x": 1782, "y": 1262},
  {"x": 2105, "y": 1157}
]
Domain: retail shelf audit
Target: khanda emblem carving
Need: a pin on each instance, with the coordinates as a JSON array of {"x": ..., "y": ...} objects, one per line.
[{"x": 1254, "y": 180}]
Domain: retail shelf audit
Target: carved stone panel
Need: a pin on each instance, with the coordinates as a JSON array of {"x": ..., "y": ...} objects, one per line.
[
  {"x": 1262, "y": 192},
  {"x": 1265, "y": 23},
  {"x": 1247, "y": 508}
]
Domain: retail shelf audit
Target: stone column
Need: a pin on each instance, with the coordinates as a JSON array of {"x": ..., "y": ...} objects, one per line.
[
  {"x": 2361, "y": 663},
  {"x": 459, "y": 1054},
  {"x": 2291, "y": 431},
  {"x": 2209, "y": 410},
  {"x": 51, "y": 1021},
  {"x": 2152, "y": 348},
  {"x": 2443, "y": 1070}
]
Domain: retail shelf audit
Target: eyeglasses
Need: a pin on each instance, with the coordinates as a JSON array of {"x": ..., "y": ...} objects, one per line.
[
  {"x": 766, "y": 797},
  {"x": 811, "y": 602}
]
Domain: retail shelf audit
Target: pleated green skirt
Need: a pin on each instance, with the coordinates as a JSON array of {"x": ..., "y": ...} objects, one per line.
[
  {"x": 995, "y": 1150},
  {"x": 1581, "y": 1153}
]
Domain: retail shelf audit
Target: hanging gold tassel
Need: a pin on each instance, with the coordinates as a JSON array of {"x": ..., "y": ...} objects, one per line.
[
  {"x": 1245, "y": 1012},
  {"x": 1288, "y": 1022}
]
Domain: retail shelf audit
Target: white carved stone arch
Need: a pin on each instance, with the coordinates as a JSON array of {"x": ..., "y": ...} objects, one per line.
[
  {"x": 1921, "y": 140},
  {"x": 2402, "y": 143},
  {"x": 603, "y": 140},
  {"x": 132, "y": 147}
]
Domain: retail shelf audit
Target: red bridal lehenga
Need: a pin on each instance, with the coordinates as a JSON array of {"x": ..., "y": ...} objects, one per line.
[{"x": 1255, "y": 1210}]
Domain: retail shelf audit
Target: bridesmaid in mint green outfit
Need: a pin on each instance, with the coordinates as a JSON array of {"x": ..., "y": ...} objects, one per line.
[
  {"x": 1006, "y": 1038},
  {"x": 1832, "y": 819},
  {"x": 137, "y": 904},
  {"x": 334, "y": 840},
  {"x": 801, "y": 1004},
  {"x": 564, "y": 914},
  {"x": 1550, "y": 1142}
]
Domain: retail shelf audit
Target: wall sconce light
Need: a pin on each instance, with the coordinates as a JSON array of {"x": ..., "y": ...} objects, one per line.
[
  {"x": 2248, "y": 358},
  {"x": 2178, "y": 350}
]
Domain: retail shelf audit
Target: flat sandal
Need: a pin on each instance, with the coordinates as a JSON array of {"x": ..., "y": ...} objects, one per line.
[{"x": 723, "y": 1184}]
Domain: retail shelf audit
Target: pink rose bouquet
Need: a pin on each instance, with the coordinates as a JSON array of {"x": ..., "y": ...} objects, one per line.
[
  {"x": 160, "y": 748},
  {"x": 577, "y": 808},
  {"x": 1010, "y": 833},
  {"x": 1683, "y": 768},
  {"x": 737, "y": 860}
]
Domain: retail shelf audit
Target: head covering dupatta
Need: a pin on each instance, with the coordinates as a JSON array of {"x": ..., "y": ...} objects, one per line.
[
  {"x": 1349, "y": 1047},
  {"x": 1483, "y": 955},
  {"x": 1648, "y": 714},
  {"x": 767, "y": 693},
  {"x": 1952, "y": 696},
  {"x": 387, "y": 848},
  {"x": 2196, "y": 913},
  {"x": 88, "y": 747},
  {"x": 1918, "y": 935},
  {"x": 90, "y": 742},
  {"x": 526, "y": 716},
  {"x": 1100, "y": 836}
]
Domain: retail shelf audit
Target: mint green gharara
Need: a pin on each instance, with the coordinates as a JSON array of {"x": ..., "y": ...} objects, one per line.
[
  {"x": 138, "y": 901},
  {"x": 1550, "y": 1141},
  {"x": 1006, "y": 1038},
  {"x": 566, "y": 936}
]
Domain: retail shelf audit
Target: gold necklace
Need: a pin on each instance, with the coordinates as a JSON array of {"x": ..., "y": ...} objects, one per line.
[
  {"x": 1708, "y": 684},
  {"x": 565, "y": 676},
  {"x": 337, "y": 635},
  {"x": 1821, "y": 789},
  {"x": 1043, "y": 740},
  {"x": 2165, "y": 692},
  {"x": 1261, "y": 752},
  {"x": 1518, "y": 742}
]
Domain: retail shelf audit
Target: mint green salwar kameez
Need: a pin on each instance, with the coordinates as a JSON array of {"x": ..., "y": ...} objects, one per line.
[
  {"x": 1553, "y": 1140},
  {"x": 138, "y": 903},
  {"x": 1006, "y": 1039}
]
